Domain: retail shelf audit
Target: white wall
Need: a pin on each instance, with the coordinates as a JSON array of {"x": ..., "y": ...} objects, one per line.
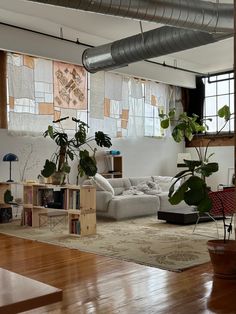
[
  {"x": 143, "y": 156},
  {"x": 224, "y": 155}
]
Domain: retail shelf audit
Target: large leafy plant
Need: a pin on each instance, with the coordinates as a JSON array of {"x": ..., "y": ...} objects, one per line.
[
  {"x": 193, "y": 188},
  {"x": 69, "y": 148}
]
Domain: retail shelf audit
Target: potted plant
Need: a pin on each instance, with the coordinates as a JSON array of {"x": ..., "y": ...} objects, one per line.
[
  {"x": 69, "y": 148},
  {"x": 193, "y": 188}
]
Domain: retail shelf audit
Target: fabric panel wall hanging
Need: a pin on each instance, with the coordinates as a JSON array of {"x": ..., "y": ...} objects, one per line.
[{"x": 40, "y": 91}]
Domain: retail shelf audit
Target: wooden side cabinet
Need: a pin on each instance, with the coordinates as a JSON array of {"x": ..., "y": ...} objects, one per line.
[
  {"x": 82, "y": 222},
  {"x": 78, "y": 202},
  {"x": 114, "y": 165},
  {"x": 5, "y": 209}
]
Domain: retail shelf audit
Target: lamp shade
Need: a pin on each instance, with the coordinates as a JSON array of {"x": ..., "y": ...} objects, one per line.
[{"x": 10, "y": 157}]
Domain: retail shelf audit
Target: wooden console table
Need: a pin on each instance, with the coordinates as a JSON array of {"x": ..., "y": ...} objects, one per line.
[{"x": 19, "y": 293}]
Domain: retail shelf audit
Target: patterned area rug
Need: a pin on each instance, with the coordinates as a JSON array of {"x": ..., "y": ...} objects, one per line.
[{"x": 143, "y": 240}]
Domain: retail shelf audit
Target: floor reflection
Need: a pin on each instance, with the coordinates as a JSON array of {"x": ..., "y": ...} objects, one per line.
[{"x": 221, "y": 293}]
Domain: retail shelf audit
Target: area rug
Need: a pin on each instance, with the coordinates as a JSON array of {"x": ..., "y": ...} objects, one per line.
[{"x": 144, "y": 241}]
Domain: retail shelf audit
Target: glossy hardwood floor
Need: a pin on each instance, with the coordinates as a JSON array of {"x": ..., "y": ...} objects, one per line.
[{"x": 98, "y": 284}]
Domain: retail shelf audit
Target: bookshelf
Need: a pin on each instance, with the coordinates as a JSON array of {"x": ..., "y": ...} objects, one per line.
[
  {"x": 3, "y": 187},
  {"x": 82, "y": 222},
  {"x": 79, "y": 202},
  {"x": 5, "y": 209},
  {"x": 114, "y": 165}
]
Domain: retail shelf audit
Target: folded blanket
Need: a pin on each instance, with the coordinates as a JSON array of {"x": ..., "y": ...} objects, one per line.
[
  {"x": 132, "y": 191},
  {"x": 149, "y": 187}
]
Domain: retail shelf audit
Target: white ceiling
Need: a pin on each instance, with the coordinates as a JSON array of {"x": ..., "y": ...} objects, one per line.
[{"x": 96, "y": 29}]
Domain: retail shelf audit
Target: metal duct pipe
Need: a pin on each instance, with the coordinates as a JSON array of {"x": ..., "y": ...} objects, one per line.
[
  {"x": 199, "y": 15},
  {"x": 154, "y": 43}
]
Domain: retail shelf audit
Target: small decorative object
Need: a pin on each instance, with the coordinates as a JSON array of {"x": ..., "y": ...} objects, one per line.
[
  {"x": 41, "y": 179},
  {"x": 10, "y": 157},
  {"x": 114, "y": 152}
]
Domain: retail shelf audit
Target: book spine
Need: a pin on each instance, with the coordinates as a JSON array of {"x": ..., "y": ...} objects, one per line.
[
  {"x": 74, "y": 199},
  {"x": 78, "y": 227},
  {"x": 78, "y": 200}
]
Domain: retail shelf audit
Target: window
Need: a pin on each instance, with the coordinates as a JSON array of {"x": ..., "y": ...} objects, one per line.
[
  {"x": 219, "y": 91},
  {"x": 129, "y": 107}
]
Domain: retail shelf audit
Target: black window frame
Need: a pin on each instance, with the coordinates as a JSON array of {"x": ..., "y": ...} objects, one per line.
[{"x": 217, "y": 79}]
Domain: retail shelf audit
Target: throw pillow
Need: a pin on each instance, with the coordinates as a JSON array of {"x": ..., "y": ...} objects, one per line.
[
  {"x": 103, "y": 183},
  {"x": 164, "y": 182}
]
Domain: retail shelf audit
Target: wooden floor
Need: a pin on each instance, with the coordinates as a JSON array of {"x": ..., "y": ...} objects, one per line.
[{"x": 97, "y": 284}]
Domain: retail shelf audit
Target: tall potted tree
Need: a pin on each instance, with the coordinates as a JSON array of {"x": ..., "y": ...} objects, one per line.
[
  {"x": 193, "y": 188},
  {"x": 71, "y": 147}
]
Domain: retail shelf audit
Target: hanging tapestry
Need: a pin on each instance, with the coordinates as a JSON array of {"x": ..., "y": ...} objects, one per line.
[
  {"x": 70, "y": 86},
  {"x": 40, "y": 91}
]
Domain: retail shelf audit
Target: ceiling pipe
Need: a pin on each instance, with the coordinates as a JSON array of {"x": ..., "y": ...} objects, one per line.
[
  {"x": 196, "y": 23},
  {"x": 155, "y": 43},
  {"x": 199, "y": 15}
]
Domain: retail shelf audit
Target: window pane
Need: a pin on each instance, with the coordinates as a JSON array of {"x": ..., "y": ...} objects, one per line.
[
  {"x": 231, "y": 97},
  {"x": 210, "y": 88},
  {"x": 221, "y": 123},
  {"x": 210, "y": 106},
  {"x": 148, "y": 110},
  {"x": 231, "y": 86},
  {"x": 212, "y": 125},
  {"x": 222, "y": 100},
  {"x": 149, "y": 126},
  {"x": 223, "y": 96},
  {"x": 223, "y": 87}
]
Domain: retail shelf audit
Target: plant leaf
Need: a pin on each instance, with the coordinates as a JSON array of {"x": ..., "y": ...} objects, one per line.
[
  {"x": 88, "y": 165},
  {"x": 8, "y": 196},
  {"x": 102, "y": 139},
  {"x": 65, "y": 168},
  {"x": 224, "y": 112},
  {"x": 49, "y": 168},
  {"x": 165, "y": 123},
  {"x": 205, "y": 205},
  {"x": 178, "y": 134},
  {"x": 178, "y": 195},
  {"x": 207, "y": 169}
]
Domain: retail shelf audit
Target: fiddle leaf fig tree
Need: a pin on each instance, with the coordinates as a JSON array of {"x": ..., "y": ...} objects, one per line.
[
  {"x": 69, "y": 148},
  {"x": 193, "y": 189}
]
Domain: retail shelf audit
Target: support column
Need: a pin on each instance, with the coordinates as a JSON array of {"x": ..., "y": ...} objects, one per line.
[
  {"x": 234, "y": 86},
  {"x": 3, "y": 90}
]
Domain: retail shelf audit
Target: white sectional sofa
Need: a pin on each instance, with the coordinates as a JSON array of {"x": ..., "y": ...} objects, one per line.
[{"x": 124, "y": 197}]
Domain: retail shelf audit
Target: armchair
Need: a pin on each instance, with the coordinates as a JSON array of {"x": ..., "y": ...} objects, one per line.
[{"x": 223, "y": 206}]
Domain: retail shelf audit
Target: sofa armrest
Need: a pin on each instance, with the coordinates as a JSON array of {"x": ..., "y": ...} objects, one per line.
[{"x": 102, "y": 200}]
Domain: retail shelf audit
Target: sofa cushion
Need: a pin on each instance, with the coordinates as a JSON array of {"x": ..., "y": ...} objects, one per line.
[
  {"x": 102, "y": 183},
  {"x": 165, "y": 205},
  {"x": 137, "y": 180},
  {"x": 124, "y": 206},
  {"x": 102, "y": 200},
  {"x": 120, "y": 185},
  {"x": 164, "y": 182}
]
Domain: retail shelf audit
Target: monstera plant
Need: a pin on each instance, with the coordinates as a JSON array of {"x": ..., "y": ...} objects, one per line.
[
  {"x": 71, "y": 147},
  {"x": 193, "y": 189}
]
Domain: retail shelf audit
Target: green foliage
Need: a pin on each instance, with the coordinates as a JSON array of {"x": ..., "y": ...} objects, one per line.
[
  {"x": 8, "y": 197},
  {"x": 49, "y": 168},
  {"x": 193, "y": 189},
  {"x": 87, "y": 164},
  {"x": 69, "y": 148},
  {"x": 102, "y": 139}
]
